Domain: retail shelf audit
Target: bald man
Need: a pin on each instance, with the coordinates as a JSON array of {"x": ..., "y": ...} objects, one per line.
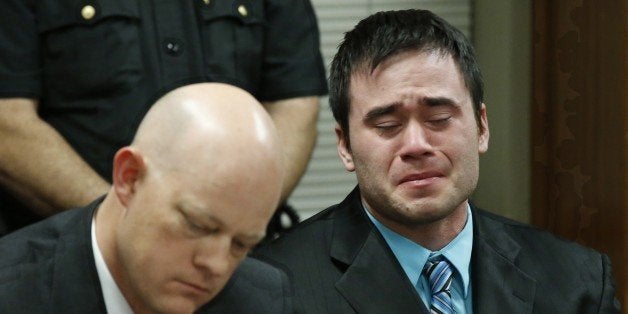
[{"x": 190, "y": 197}]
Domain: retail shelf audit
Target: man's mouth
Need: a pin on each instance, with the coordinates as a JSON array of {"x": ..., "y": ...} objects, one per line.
[
  {"x": 200, "y": 289},
  {"x": 421, "y": 177}
]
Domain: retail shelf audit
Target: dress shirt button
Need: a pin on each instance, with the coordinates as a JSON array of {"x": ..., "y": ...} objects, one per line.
[
  {"x": 88, "y": 12},
  {"x": 242, "y": 10},
  {"x": 173, "y": 46}
]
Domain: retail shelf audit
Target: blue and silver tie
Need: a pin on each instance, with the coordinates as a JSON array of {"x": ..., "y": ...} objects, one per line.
[{"x": 439, "y": 274}]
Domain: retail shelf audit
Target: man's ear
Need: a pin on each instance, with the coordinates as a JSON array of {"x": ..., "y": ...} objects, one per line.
[
  {"x": 484, "y": 132},
  {"x": 344, "y": 150},
  {"x": 128, "y": 169}
]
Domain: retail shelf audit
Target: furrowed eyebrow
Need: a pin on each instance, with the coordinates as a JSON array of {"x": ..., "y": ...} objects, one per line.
[
  {"x": 215, "y": 220},
  {"x": 439, "y": 101},
  {"x": 191, "y": 211},
  {"x": 380, "y": 111},
  {"x": 253, "y": 238}
]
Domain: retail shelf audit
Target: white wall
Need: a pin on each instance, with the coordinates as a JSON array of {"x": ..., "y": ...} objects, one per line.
[{"x": 502, "y": 38}]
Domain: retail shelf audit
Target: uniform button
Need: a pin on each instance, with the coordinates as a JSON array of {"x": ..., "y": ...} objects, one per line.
[
  {"x": 207, "y": 2},
  {"x": 173, "y": 46},
  {"x": 242, "y": 10},
  {"x": 88, "y": 12}
]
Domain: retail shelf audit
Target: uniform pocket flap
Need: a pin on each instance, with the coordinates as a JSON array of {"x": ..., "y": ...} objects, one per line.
[
  {"x": 246, "y": 12},
  {"x": 56, "y": 14}
]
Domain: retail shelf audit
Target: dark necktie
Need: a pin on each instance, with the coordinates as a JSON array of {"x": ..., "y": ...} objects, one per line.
[{"x": 439, "y": 274}]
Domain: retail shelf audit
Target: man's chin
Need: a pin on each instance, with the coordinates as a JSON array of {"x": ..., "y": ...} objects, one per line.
[
  {"x": 177, "y": 305},
  {"x": 422, "y": 211}
]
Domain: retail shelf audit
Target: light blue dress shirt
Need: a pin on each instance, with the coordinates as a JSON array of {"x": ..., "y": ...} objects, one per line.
[{"x": 412, "y": 258}]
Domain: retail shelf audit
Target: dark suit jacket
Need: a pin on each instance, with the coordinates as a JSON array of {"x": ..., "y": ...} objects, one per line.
[
  {"x": 49, "y": 268},
  {"x": 339, "y": 263}
]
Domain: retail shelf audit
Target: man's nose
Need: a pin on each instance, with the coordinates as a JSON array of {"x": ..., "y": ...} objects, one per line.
[
  {"x": 415, "y": 141},
  {"x": 214, "y": 255}
]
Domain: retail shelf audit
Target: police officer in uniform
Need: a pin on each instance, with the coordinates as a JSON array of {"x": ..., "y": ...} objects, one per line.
[{"x": 77, "y": 76}]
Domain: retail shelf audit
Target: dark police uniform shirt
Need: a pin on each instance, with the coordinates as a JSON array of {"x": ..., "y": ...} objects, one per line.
[{"x": 97, "y": 65}]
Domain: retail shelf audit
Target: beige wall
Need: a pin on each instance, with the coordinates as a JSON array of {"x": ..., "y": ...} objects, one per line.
[{"x": 502, "y": 38}]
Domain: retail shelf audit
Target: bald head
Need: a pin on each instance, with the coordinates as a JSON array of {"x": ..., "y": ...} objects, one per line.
[
  {"x": 213, "y": 119},
  {"x": 191, "y": 195}
]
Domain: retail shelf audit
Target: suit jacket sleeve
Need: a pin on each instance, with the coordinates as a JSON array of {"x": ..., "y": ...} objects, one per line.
[
  {"x": 255, "y": 287},
  {"x": 608, "y": 302}
]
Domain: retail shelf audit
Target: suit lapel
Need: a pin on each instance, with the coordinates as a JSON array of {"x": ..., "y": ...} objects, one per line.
[
  {"x": 75, "y": 284},
  {"x": 499, "y": 286},
  {"x": 373, "y": 281}
]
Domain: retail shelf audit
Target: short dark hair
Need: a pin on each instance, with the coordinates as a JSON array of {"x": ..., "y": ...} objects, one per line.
[{"x": 386, "y": 34}]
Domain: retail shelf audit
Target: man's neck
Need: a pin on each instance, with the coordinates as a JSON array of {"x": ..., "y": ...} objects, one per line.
[
  {"x": 113, "y": 298},
  {"x": 106, "y": 220},
  {"x": 433, "y": 235}
]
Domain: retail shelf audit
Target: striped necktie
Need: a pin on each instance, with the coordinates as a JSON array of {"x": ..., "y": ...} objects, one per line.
[{"x": 439, "y": 274}]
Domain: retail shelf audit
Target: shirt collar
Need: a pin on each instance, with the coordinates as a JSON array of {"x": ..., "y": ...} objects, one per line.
[
  {"x": 114, "y": 300},
  {"x": 412, "y": 256}
]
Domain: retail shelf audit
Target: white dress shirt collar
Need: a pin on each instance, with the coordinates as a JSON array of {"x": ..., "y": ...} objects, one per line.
[{"x": 114, "y": 300}]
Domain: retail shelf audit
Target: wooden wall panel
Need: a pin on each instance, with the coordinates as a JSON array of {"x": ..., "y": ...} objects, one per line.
[{"x": 579, "y": 126}]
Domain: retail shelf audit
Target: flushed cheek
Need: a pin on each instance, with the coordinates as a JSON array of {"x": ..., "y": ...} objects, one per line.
[
  {"x": 372, "y": 168},
  {"x": 382, "y": 156},
  {"x": 465, "y": 169},
  {"x": 164, "y": 267}
]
